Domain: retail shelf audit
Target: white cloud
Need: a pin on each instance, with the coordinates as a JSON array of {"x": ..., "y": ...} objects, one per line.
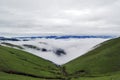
[{"x": 60, "y": 16}]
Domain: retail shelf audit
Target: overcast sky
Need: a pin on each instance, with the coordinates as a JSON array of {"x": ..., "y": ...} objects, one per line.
[{"x": 60, "y": 16}]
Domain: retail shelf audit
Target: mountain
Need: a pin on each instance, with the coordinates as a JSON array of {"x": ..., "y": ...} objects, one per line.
[
  {"x": 64, "y": 37},
  {"x": 28, "y": 38},
  {"x": 101, "y": 63},
  {"x": 15, "y": 63},
  {"x": 8, "y": 39},
  {"x": 103, "y": 60}
]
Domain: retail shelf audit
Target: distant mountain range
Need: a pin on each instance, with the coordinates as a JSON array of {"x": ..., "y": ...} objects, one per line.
[
  {"x": 54, "y": 37},
  {"x": 67, "y": 37}
]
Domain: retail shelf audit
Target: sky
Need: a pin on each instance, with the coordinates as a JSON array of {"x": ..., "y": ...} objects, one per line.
[{"x": 60, "y": 17}]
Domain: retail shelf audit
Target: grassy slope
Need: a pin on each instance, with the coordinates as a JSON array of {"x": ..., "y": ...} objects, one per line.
[
  {"x": 103, "y": 60},
  {"x": 5, "y": 76},
  {"x": 20, "y": 62},
  {"x": 111, "y": 77},
  {"x": 101, "y": 63}
]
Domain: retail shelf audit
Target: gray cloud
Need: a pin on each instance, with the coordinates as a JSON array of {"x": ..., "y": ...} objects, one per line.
[{"x": 60, "y": 16}]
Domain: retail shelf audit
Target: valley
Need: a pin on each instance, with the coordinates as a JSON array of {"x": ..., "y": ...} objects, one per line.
[{"x": 100, "y": 63}]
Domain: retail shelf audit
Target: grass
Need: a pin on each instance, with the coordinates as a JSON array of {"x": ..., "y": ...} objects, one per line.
[
  {"x": 102, "y": 63},
  {"x": 5, "y": 76},
  {"x": 112, "y": 77},
  {"x": 19, "y": 62}
]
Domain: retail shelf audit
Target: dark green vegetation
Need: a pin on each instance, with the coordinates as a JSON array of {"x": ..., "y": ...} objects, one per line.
[
  {"x": 31, "y": 46},
  {"x": 102, "y": 63},
  {"x": 59, "y": 52}
]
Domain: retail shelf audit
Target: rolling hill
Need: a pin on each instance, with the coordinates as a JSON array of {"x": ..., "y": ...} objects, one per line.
[
  {"x": 20, "y": 63},
  {"x": 101, "y": 63},
  {"x": 103, "y": 60}
]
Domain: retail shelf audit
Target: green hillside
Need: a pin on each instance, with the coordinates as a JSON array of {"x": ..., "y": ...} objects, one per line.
[
  {"x": 102, "y": 63},
  {"x": 115, "y": 76},
  {"x": 16, "y": 62},
  {"x": 104, "y": 60}
]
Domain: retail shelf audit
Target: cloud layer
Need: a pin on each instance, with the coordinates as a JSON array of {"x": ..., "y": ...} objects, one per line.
[{"x": 60, "y": 16}]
